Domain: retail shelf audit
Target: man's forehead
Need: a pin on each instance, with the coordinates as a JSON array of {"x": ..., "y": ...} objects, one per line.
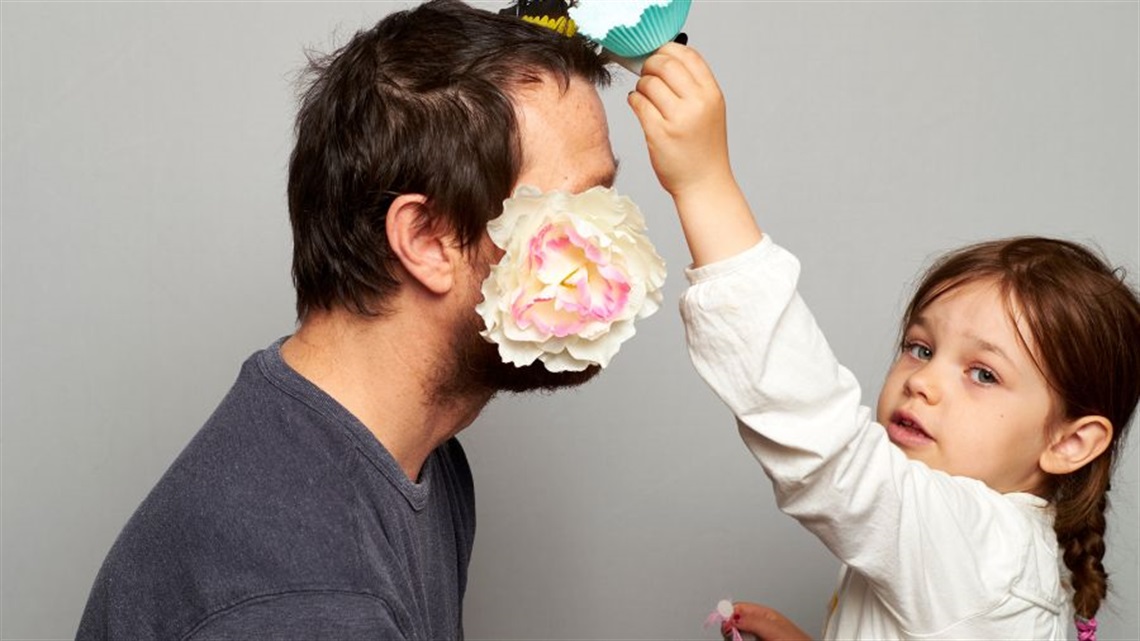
[
  {"x": 565, "y": 137},
  {"x": 552, "y": 95}
]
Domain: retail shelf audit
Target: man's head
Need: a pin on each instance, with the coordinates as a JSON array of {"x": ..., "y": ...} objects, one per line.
[
  {"x": 566, "y": 146},
  {"x": 442, "y": 110},
  {"x": 426, "y": 102}
]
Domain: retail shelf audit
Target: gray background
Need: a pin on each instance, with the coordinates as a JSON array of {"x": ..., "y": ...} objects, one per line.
[{"x": 146, "y": 254}]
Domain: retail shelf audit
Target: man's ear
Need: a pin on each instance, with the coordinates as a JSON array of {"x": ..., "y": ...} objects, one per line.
[
  {"x": 1076, "y": 444},
  {"x": 425, "y": 250}
]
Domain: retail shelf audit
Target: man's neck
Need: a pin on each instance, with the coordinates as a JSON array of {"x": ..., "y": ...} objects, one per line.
[{"x": 384, "y": 371}]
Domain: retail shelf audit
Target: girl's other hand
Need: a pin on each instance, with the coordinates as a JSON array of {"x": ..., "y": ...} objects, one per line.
[{"x": 764, "y": 622}]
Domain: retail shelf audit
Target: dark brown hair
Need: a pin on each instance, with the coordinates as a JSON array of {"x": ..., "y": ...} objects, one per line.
[
  {"x": 1084, "y": 323},
  {"x": 421, "y": 103}
]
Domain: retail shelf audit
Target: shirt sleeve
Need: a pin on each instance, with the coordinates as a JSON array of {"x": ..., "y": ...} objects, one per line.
[
  {"x": 304, "y": 616},
  {"x": 916, "y": 534}
]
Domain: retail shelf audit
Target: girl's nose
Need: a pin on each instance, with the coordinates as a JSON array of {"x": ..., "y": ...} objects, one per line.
[{"x": 923, "y": 382}]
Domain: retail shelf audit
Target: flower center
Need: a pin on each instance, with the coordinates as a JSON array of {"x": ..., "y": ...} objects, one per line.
[{"x": 572, "y": 283}]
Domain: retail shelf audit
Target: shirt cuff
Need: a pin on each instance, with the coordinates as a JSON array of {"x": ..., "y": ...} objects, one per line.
[{"x": 724, "y": 266}]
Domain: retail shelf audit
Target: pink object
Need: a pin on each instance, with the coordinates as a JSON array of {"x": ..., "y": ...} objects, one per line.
[
  {"x": 1086, "y": 629},
  {"x": 723, "y": 614},
  {"x": 575, "y": 284}
]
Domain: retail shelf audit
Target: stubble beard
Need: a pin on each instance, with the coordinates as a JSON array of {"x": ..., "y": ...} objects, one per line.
[{"x": 476, "y": 369}]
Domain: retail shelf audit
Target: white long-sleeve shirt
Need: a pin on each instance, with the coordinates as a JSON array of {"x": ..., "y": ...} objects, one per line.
[{"x": 927, "y": 555}]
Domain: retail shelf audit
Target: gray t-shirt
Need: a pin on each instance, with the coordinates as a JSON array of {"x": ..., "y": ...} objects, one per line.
[{"x": 284, "y": 518}]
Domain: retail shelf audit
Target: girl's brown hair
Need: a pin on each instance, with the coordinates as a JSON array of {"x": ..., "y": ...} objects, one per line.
[{"x": 1084, "y": 324}]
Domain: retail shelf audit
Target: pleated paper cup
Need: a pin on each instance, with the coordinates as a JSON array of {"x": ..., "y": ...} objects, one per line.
[{"x": 659, "y": 22}]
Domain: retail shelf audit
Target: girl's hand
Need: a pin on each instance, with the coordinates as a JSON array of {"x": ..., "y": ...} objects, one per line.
[
  {"x": 764, "y": 622},
  {"x": 681, "y": 109}
]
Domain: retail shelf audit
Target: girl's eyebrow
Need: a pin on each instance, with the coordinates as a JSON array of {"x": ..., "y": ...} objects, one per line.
[
  {"x": 918, "y": 322},
  {"x": 977, "y": 342},
  {"x": 986, "y": 346}
]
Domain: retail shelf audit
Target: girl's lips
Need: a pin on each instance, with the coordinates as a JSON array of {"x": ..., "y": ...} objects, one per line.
[{"x": 906, "y": 432}]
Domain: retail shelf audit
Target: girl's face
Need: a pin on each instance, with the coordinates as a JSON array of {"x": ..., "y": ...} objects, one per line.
[{"x": 965, "y": 397}]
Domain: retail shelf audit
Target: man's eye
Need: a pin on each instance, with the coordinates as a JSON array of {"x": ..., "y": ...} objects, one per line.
[{"x": 983, "y": 376}]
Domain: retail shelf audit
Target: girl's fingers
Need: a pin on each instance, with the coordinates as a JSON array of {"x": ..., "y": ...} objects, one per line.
[
  {"x": 671, "y": 68},
  {"x": 684, "y": 68},
  {"x": 658, "y": 92},
  {"x": 695, "y": 64},
  {"x": 767, "y": 623},
  {"x": 643, "y": 108}
]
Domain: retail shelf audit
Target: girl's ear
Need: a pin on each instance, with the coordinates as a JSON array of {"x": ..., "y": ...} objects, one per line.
[
  {"x": 426, "y": 252},
  {"x": 1076, "y": 444}
]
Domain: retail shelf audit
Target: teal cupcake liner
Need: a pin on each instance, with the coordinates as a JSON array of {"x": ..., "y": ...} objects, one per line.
[{"x": 658, "y": 25}]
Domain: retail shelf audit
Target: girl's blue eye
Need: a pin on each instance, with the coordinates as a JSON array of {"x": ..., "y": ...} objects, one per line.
[
  {"x": 919, "y": 351},
  {"x": 983, "y": 376}
]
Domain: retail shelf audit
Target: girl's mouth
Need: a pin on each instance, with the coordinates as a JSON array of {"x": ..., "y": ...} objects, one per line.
[{"x": 906, "y": 432}]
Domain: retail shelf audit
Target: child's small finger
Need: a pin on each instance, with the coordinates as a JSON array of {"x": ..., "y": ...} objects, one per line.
[
  {"x": 695, "y": 64},
  {"x": 668, "y": 64},
  {"x": 684, "y": 68},
  {"x": 642, "y": 108},
  {"x": 659, "y": 93}
]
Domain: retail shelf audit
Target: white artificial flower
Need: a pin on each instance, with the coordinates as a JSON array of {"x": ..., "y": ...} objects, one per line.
[{"x": 577, "y": 270}]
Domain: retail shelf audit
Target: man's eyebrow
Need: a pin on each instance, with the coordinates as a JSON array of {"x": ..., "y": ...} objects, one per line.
[{"x": 607, "y": 179}]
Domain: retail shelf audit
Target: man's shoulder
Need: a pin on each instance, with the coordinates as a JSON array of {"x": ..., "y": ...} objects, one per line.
[
  {"x": 260, "y": 502},
  {"x": 278, "y": 503}
]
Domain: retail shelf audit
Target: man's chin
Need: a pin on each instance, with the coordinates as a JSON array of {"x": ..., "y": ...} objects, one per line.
[
  {"x": 504, "y": 377},
  {"x": 478, "y": 369}
]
